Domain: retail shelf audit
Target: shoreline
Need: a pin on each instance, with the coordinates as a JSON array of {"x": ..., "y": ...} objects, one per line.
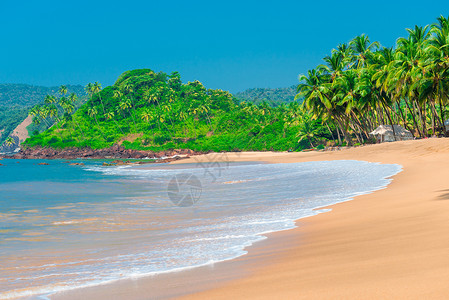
[
  {"x": 290, "y": 264},
  {"x": 114, "y": 152}
]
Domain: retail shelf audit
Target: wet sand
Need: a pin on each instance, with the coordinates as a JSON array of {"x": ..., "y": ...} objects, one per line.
[{"x": 391, "y": 244}]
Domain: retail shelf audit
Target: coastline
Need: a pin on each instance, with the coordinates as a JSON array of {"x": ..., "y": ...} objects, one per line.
[
  {"x": 114, "y": 152},
  {"x": 388, "y": 244}
]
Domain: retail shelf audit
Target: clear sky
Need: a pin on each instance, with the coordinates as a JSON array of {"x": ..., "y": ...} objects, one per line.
[{"x": 232, "y": 45}]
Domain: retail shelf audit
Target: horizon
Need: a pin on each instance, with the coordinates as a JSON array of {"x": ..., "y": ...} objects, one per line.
[{"x": 235, "y": 47}]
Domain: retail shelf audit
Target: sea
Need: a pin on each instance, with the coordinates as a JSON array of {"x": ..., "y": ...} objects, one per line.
[{"x": 68, "y": 226}]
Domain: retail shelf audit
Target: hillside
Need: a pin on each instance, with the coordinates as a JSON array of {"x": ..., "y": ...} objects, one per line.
[
  {"x": 25, "y": 95},
  {"x": 154, "y": 111},
  {"x": 17, "y": 99},
  {"x": 274, "y": 97}
]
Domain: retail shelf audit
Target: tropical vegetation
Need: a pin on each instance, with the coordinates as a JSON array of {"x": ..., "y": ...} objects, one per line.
[
  {"x": 274, "y": 97},
  {"x": 362, "y": 84},
  {"x": 156, "y": 111},
  {"x": 17, "y": 99}
]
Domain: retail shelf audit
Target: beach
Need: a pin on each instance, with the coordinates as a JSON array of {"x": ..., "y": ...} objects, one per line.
[{"x": 390, "y": 244}]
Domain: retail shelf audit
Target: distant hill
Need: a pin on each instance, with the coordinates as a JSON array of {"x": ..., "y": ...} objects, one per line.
[
  {"x": 274, "y": 97},
  {"x": 17, "y": 99},
  {"x": 25, "y": 95}
]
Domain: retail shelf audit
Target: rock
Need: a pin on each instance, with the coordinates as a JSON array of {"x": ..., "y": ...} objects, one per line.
[
  {"x": 116, "y": 151},
  {"x": 118, "y": 162},
  {"x": 76, "y": 164},
  {"x": 43, "y": 164}
]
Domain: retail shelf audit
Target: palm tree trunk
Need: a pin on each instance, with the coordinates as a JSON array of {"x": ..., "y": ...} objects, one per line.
[
  {"x": 434, "y": 112},
  {"x": 423, "y": 115},
  {"x": 99, "y": 128},
  {"x": 338, "y": 134},
  {"x": 354, "y": 128},
  {"x": 389, "y": 118},
  {"x": 404, "y": 120},
  {"x": 310, "y": 141},
  {"x": 361, "y": 126},
  {"x": 345, "y": 132},
  {"x": 442, "y": 117},
  {"x": 328, "y": 128},
  {"x": 413, "y": 113},
  {"x": 440, "y": 121},
  {"x": 102, "y": 105},
  {"x": 118, "y": 126}
]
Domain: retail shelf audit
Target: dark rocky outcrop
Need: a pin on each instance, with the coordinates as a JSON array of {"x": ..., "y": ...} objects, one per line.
[{"x": 114, "y": 152}]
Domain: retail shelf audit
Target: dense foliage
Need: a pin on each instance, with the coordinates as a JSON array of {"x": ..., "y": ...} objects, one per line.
[
  {"x": 362, "y": 85},
  {"x": 156, "y": 111},
  {"x": 274, "y": 97},
  {"x": 17, "y": 99}
]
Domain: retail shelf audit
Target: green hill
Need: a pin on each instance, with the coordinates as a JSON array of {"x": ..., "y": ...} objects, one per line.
[
  {"x": 274, "y": 97},
  {"x": 17, "y": 99},
  {"x": 156, "y": 111}
]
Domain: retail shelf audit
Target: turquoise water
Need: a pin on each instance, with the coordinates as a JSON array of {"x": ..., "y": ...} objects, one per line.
[{"x": 64, "y": 227}]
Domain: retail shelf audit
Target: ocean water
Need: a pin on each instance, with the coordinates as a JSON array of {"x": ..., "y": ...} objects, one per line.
[{"x": 65, "y": 227}]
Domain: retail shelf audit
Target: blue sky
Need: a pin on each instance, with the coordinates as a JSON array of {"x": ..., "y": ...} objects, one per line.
[{"x": 232, "y": 45}]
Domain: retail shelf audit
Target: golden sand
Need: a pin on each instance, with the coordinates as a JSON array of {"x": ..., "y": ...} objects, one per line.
[{"x": 392, "y": 244}]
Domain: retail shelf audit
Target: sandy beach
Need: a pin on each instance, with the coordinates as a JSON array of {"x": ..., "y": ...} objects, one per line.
[{"x": 391, "y": 244}]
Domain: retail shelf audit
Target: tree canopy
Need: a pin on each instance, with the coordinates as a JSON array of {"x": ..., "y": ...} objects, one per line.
[
  {"x": 156, "y": 111},
  {"x": 362, "y": 85},
  {"x": 17, "y": 99}
]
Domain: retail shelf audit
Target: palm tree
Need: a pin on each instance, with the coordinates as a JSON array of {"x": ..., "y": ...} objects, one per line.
[
  {"x": 129, "y": 89},
  {"x": 92, "y": 112},
  {"x": 117, "y": 94},
  {"x": 436, "y": 68},
  {"x": 93, "y": 89},
  {"x": 110, "y": 115},
  {"x": 44, "y": 114},
  {"x": 124, "y": 106},
  {"x": 9, "y": 141},
  {"x": 70, "y": 108},
  {"x": 167, "y": 108},
  {"x": 406, "y": 71},
  {"x": 317, "y": 92},
  {"x": 49, "y": 99},
  {"x": 146, "y": 115},
  {"x": 63, "y": 90},
  {"x": 306, "y": 130},
  {"x": 363, "y": 50}
]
